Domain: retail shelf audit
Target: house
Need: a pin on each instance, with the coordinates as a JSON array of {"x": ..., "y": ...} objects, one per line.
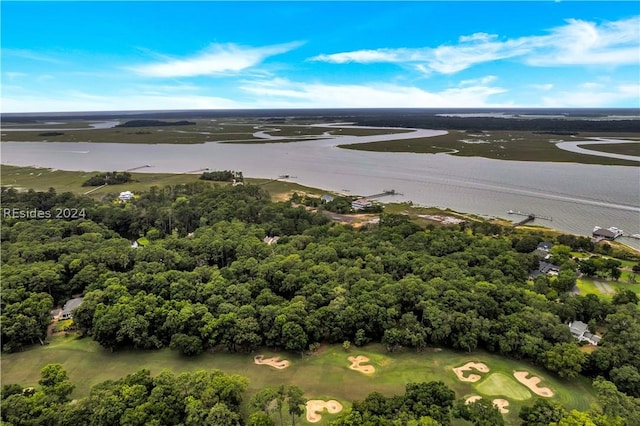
[
  {"x": 544, "y": 246},
  {"x": 125, "y": 196},
  {"x": 55, "y": 312},
  {"x": 547, "y": 268},
  {"x": 67, "y": 309},
  {"x": 271, "y": 240},
  {"x": 542, "y": 251},
  {"x": 607, "y": 234},
  {"x": 326, "y": 198},
  {"x": 361, "y": 203},
  {"x": 579, "y": 330}
]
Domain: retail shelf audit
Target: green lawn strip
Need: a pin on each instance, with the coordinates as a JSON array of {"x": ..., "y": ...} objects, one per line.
[
  {"x": 588, "y": 286},
  {"x": 324, "y": 375},
  {"x": 41, "y": 179}
]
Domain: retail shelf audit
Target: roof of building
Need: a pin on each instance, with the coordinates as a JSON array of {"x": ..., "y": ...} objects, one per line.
[
  {"x": 326, "y": 197},
  {"x": 271, "y": 240},
  {"x": 546, "y": 267},
  {"x": 592, "y": 337},
  {"x": 578, "y": 328},
  {"x": 604, "y": 233},
  {"x": 71, "y": 305},
  {"x": 545, "y": 245},
  {"x": 361, "y": 201}
]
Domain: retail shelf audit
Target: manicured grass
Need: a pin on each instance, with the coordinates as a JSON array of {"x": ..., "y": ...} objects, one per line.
[
  {"x": 324, "y": 375},
  {"x": 588, "y": 286},
  {"x": 502, "y": 145},
  {"x": 499, "y": 384}
]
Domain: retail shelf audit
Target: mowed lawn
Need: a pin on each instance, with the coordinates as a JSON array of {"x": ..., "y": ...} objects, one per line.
[{"x": 324, "y": 375}]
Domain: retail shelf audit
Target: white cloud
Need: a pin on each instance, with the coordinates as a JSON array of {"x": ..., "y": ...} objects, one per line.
[
  {"x": 31, "y": 55},
  {"x": 585, "y": 43},
  {"x": 284, "y": 93},
  {"x": 218, "y": 58},
  {"x": 11, "y": 75},
  {"x": 86, "y": 102},
  {"x": 593, "y": 95},
  {"x": 479, "y": 81},
  {"x": 477, "y": 37},
  {"x": 576, "y": 43},
  {"x": 545, "y": 87},
  {"x": 369, "y": 56}
]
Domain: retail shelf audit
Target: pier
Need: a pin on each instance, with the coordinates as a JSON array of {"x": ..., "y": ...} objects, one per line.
[
  {"x": 138, "y": 168},
  {"x": 530, "y": 217},
  {"x": 384, "y": 193}
]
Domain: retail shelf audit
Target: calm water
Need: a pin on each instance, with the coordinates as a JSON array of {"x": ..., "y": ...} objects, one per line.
[{"x": 577, "y": 196}]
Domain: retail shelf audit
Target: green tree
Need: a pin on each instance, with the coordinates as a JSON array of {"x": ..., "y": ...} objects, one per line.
[
  {"x": 541, "y": 413},
  {"x": 564, "y": 358},
  {"x": 296, "y": 402}
]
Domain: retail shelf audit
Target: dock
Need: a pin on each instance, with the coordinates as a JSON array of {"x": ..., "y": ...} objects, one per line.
[
  {"x": 138, "y": 168},
  {"x": 530, "y": 217},
  {"x": 384, "y": 193}
]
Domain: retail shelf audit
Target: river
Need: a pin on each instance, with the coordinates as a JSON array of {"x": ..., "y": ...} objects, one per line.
[{"x": 576, "y": 196}]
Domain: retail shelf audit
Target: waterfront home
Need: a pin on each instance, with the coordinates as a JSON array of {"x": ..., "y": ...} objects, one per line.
[
  {"x": 361, "y": 203},
  {"x": 607, "y": 234}
]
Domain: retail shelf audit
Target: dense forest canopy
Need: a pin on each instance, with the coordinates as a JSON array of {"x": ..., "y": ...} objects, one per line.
[{"x": 206, "y": 279}]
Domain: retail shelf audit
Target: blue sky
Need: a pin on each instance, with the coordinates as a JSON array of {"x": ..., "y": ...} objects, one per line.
[{"x": 101, "y": 56}]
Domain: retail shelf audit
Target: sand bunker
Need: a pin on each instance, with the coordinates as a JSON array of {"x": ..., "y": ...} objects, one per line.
[
  {"x": 472, "y": 399},
  {"x": 502, "y": 405},
  {"x": 274, "y": 362},
  {"x": 316, "y": 406},
  {"x": 357, "y": 360},
  {"x": 532, "y": 384},
  {"x": 467, "y": 367}
]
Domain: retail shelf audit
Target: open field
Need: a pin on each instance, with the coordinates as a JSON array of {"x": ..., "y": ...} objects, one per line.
[
  {"x": 500, "y": 145},
  {"x": 324, "y": 375},
  {"x": 41, "y": 179},
  {"x": 605, "y": 288}
]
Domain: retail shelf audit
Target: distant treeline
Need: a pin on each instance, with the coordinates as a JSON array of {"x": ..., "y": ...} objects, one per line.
[
  {"x": 222, "y": 175},
  {"x": 549, "y": 125},
  {"x": 111, "y": 178},
  {"x": 155, "y": 123}
]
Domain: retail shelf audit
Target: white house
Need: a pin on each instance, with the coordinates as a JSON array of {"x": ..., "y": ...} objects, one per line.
[{"x": 125, "y": 196}]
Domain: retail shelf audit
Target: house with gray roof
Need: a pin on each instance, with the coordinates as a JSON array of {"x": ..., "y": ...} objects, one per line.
[
  {"x": 580, "y": 331},
  {"x": 67, "y": 309}
]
